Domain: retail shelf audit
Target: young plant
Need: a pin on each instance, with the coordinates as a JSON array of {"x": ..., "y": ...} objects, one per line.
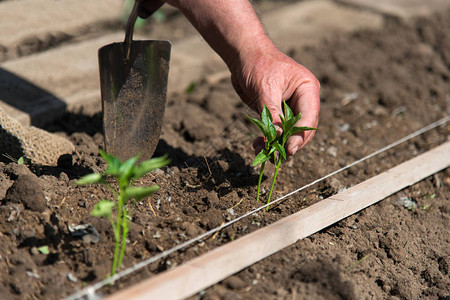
[
  {"x": 274, "y": 147},
  {"x": 125, "y": 174}
]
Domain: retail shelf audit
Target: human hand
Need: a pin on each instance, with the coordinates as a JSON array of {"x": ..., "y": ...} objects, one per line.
[
  {"x": 268, "y": 77},
  {"x": 148, "y": 7}
]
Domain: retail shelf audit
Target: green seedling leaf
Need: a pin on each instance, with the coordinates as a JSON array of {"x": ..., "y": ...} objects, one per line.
[
  {"x": 288, "y": 114},
  {"x": 272, "y": 150},
  {"x": 280, "y": 149},
  {"x": 90, "y": 179},
  {"x": 266, "y": 116},
  {"x": 123, "y": 173},
  {"x": 273, "y": 143},
  {"x": 191, "y": 87},
  {"x": 259, "y": 124},
  {"x": 126, "y": 169},
  {"x": 139, "y": 193},
  {"x": 113, "y": 164},
  {"x": 290, "y": 120},
  {"x": 290, "y": 123},
  {"x": 272, "y": 133},
  {"x": 44, "y": 250},
  {"x": 296, "y": 130},
  {"x": 282, "y": 121},
  {"x": 260, "y": 158},
  {"x": 103, "y": 209},
  {"x": 150, "y": 165},
  {"x": 23, "y": 160}
]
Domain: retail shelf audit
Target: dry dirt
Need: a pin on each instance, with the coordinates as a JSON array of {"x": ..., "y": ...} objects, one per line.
[{"x": 377, "y": 86}]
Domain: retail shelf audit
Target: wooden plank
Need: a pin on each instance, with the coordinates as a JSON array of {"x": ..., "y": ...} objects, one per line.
[
  {"x": 33, "y": 25},
  {"x": 216, "y": 265}
]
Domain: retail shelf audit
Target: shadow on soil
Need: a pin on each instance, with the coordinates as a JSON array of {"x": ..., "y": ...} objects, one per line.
[{"x": 227, "y": 169}]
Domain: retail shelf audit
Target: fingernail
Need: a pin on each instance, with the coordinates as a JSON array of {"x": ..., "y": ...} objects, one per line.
[{"x": 294, "y": 150}]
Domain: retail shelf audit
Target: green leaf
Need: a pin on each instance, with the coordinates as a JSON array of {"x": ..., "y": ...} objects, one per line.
[
  {"x": 113, "y": 163},
  {"x": 282, "y": 120},
  {"x": 297, "y": 118},
  {"x": 103, "y": 209},
  {"x": 288, "y": 126},
  {"x": 139, "y": 192},
  {"x": 280, "y": 149},
  {"x": 259, "y": 124},
  {"x": 44, "y": 250},
  {"x": 126, "y": 168},
  {"x": 296, "y": 130},
  {"x": 272, "y": 150},
  {"x": 290, "y": 119},
  {"x": 272, "y": 133},
  {"x": 21, "y": 161},
  {"x": 90, "y": 179},
  {"x": 266, "y": 116},
  {"x": 150, "y": 165},
  {"x": 191, "y": 87},
  {"x": 288, "y": 114},
  {"x": 260, "y": 158}
]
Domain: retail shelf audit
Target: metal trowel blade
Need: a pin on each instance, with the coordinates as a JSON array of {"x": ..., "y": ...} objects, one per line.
[{"x": 133, "y": 96}]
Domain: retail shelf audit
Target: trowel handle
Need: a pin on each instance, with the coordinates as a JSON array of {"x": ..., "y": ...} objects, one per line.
[
  {"x": 138, "y": 10},
  {"x": 129, "y": 31}
]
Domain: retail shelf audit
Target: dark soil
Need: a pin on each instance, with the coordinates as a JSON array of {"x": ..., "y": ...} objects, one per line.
[{"x": 377, "y": 86}]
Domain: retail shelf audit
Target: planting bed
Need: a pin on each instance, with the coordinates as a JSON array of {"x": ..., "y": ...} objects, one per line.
[{"x": 377, "y": 86}]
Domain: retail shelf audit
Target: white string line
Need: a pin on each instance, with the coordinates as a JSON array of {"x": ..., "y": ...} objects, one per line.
[{"x": 90, "y": 291}]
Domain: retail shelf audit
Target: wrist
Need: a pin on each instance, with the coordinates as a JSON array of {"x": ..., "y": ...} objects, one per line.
[{"x": 248, "y": 51}]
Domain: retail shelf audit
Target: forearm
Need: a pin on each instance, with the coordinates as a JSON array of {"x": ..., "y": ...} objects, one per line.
[{"x": 231, "y": 27}]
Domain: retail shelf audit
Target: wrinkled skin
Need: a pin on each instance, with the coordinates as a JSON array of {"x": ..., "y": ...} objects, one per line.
[
  {"x": 260, "y": 73},
  {"x": 269, "y": 79}
]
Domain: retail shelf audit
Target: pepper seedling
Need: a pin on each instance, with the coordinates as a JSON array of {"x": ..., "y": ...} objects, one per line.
[
  {"x": 125, "y": 174},
  {"x": 274, "y": 147}
]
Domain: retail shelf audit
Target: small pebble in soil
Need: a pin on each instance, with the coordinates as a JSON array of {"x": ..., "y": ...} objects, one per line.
[
  {"x": 33, "y": 274},
  {"x": 71, "y": 277},
  {"x": 34, "y": 251},
  {"x": 332, "y": 151},
  {"x": 234, "y": 283},
  {"x": 85, "y": 231},
  {"x": 345, "y": 127}
]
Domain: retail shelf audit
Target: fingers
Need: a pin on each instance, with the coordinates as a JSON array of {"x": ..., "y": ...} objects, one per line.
[
  {"x": 258, "y": 144},
  {"x": 258, "y": 101},
  {"x": 305, "y": 100},
  {"x": 147, "y": 8}
]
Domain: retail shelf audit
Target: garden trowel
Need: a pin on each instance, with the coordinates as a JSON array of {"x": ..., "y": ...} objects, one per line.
[{"x": 133, "y": 81}]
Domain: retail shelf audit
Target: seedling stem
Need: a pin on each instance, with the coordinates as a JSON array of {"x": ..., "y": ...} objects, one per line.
[{"x": 275, "y": 146}]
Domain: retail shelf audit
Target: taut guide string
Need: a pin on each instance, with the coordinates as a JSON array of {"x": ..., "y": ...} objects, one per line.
[{"x": 90, "y": 291}]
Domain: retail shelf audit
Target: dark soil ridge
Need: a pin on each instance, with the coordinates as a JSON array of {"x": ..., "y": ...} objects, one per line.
[{"x": 377, "y": 87}]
